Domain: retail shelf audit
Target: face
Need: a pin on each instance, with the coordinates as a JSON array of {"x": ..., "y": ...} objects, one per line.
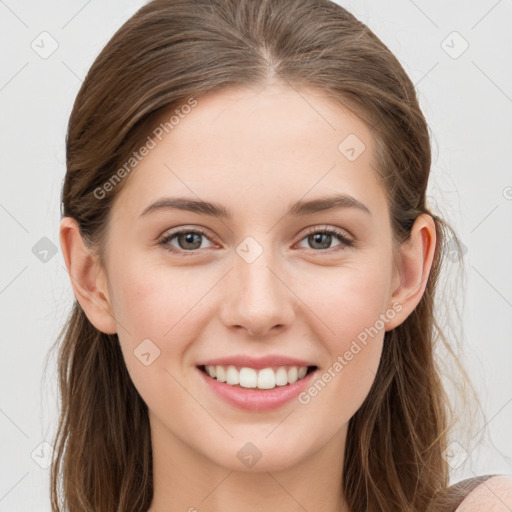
[{"x": 305, "y": 287}]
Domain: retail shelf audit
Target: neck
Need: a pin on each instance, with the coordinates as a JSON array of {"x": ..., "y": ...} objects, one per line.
[{"x": 186, "y": 481}]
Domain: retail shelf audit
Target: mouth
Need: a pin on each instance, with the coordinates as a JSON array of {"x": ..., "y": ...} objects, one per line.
[{"x": 261, "y": 379}]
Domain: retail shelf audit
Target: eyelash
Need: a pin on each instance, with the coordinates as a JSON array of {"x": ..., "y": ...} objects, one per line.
[{"x": 345, "y": 242}]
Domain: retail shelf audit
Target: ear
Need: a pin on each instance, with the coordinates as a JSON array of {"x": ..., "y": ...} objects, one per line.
[
  {"x": 87, "y": 277},
  {"x": 416, "y": 255}
]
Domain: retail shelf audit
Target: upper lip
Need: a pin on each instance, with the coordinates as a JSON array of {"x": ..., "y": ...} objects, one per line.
[{"x": 256, "y": 362}]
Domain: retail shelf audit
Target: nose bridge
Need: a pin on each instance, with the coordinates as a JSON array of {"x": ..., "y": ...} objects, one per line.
[{"x": 257, "y": 298}]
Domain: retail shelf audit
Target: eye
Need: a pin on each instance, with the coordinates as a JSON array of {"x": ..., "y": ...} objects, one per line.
[
  {"x": 189, "y": 240},
  {"x": 321, "y": 238}
]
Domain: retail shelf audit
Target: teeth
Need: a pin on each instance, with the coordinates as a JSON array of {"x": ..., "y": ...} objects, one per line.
[
  {"x": 281, "y": 376},
  {"x": 248, "y": 378},
  {"x": 219, "y": 372},
  {"x": 266, "y": 378},
  {"x": 232, "y": 376},
  {"x": 293, "y": 374}
]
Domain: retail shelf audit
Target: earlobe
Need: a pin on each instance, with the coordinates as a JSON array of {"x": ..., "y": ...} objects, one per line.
[
  {"x": 416, "y": 256},
  {"x": 87, "y": 277}
]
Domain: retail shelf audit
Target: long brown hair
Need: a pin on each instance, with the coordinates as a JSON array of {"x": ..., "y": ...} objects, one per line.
[{"x": 167, "y": 53}]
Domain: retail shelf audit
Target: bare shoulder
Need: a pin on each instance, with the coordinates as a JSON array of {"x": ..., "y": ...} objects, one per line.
[{"x": 492, "y": 495}]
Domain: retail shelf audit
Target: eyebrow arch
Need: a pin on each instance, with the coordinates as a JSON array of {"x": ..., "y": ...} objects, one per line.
[{"x": 298, "y": 208}]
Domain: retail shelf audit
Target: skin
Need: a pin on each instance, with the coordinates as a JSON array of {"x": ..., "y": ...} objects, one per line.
[
  {"x": 255, "y": 151},
  {"x": 494, "y": 495}
]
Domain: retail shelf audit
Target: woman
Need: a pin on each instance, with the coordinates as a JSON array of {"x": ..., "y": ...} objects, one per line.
[{"x": 247, "y": 237}]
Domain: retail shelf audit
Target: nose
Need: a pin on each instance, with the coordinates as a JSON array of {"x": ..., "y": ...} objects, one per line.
[{"x": 257, "y": 297}]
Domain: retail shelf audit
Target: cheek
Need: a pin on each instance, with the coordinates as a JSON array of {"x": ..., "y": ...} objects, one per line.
[
  {"x": 153, "y": 314},
  {"x": 351, "y": 305},
  {"x": 348, "y": 301},
  {"x": 151, "y": 300},
  {"x": 159, "y": 310}
]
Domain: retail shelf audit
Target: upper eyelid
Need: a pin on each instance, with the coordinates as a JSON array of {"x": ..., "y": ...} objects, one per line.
[
  {"x": 326, "y": 227},
  {"x": 178, "y": 231}
]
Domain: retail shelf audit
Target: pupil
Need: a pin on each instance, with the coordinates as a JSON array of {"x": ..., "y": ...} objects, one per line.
[
  {"x": 189, "y": 239},
  {"x": 317, "y": 238}
]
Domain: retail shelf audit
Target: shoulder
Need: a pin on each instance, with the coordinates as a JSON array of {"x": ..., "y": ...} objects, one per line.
[{"x": 492, "y": 495}]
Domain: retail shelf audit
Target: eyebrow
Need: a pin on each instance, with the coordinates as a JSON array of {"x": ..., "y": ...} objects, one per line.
[{"x": 299, "y": 208}]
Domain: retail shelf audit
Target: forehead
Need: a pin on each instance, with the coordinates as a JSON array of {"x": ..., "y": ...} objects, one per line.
[{"x": 258, "y": 147}]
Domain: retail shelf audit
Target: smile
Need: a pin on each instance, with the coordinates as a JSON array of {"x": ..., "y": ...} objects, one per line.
[
  {"x": 247, "y": 389},
  {"x": 264, "y": 378}
]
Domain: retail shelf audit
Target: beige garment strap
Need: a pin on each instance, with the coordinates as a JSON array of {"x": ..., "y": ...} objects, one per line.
[{"x": 464, "y": 487}]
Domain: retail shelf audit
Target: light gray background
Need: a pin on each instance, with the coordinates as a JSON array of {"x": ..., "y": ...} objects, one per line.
[{"x": 466, "y": 98}]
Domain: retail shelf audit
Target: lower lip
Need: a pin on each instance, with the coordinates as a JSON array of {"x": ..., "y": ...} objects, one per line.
[{"x": 254, "y": 399}]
